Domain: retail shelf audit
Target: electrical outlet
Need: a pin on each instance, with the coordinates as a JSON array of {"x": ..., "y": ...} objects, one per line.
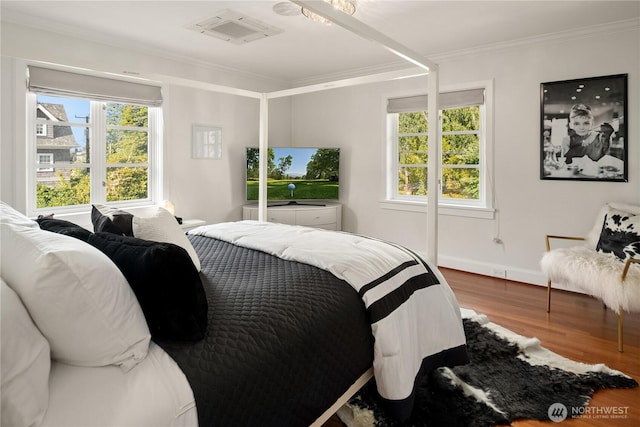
[{"x": 500, "y": 272}]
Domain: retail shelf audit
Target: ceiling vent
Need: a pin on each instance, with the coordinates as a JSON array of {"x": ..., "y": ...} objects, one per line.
[{"x": 234, "y": 27}]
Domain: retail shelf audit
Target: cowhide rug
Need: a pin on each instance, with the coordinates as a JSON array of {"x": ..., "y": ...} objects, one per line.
[{"x": 510, "y": 377}]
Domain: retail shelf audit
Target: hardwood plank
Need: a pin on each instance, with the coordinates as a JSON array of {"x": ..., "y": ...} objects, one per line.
[{"x": 578, "y": 327}]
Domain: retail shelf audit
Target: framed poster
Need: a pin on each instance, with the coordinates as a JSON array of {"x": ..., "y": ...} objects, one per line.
[{"x": 583, "y": 129}]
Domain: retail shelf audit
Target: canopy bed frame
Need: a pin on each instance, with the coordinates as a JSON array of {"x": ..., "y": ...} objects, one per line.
[{"x": 424, "y": 67}]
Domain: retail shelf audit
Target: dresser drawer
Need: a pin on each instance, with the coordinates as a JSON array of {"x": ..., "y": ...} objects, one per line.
[
  {"x": 314, "y": 217},
  {"x": 327, "y": 216},
  {"x": 332, "y": 226},
  {"x": 284, "y": 216},
  {"x": 248, "y": 213}
]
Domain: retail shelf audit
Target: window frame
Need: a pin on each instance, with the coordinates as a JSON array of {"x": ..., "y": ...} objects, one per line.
[
  {"x": 481, "y": 208},
  {"x": 98, "y": 164}
]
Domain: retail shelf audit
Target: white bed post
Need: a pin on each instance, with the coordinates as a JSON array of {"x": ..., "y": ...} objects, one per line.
[
  {"x": 433, "y": 166},
  {"x": 264, "y": 145},
  {"x": 351, "y": 24}
]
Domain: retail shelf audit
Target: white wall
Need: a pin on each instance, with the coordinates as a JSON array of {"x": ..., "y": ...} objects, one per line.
[
  {"x": 214, "y": 190},
  {"x": 527, "y": 207},
  {"x": 353, "y": 119}
]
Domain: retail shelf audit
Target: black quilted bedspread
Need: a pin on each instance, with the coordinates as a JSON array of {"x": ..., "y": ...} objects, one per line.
[{"x": 284, "y": 339}]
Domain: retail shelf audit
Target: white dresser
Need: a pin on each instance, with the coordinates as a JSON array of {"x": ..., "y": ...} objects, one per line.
[{"x": 328, "y": 216}]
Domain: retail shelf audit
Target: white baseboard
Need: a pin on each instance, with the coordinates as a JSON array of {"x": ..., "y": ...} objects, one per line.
[
  {"x": 533, "y": 277},
  {"x": 493, "y": 270}
]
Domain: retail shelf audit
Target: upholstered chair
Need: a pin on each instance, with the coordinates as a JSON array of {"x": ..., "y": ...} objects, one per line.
[{"x": 604, "y": 264}]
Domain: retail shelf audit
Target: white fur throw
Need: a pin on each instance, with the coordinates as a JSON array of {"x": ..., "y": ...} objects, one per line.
[{"x": 595, "y": 273}]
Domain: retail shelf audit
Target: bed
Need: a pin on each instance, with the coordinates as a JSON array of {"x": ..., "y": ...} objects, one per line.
[{"x": 284, "y": 339}]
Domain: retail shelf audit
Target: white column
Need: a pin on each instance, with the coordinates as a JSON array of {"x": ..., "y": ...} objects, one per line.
[
  {"x": 433, "y": 167},
  {"x": 264, "y": 145}
]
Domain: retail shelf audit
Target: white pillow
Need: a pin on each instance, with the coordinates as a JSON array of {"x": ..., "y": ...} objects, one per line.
[
  {"x": 8, "y": 215},
  {"x": 26, "y": 363},
  {"x": 76, "y": 296},
  {"x": 161, "y": 226}
]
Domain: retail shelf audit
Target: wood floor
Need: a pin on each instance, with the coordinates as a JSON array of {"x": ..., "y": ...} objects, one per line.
[{"x": 578, "y": 327}]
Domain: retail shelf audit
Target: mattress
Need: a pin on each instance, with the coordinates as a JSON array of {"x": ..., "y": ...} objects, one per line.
[{"x": 155, "y": 393}]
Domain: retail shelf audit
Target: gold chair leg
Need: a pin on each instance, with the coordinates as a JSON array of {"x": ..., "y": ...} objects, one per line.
[
  {"x": 620, "y": 329},
  {"x": 548, "y": 296}
]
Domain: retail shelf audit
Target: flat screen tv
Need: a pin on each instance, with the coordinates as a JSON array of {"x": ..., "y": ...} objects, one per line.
[{"x": 296, "y": 175}]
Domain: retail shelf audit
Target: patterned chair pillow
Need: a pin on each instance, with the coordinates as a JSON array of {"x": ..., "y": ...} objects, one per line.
[{"x": 620, "y": 234}]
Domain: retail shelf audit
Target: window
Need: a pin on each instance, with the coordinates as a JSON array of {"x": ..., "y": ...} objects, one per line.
[
  {"x": 45, "y": 159},
  {"x": 105, "y": 150},
  {"x": 41, "y": 129},
  {"x": 463, "y": 146}
]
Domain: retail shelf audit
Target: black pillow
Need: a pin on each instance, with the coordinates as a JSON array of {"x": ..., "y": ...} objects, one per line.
[
  {"x": 121, "y": 222},
  {"x": 102, "y": 223},
  {"x": 124, "y": 221},
  {"x": 165, "y": 281},
  {"x": 61, "y": 226}
]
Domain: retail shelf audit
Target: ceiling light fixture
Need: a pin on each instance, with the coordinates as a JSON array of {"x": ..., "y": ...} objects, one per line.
[{"x": 346, "y": 6}]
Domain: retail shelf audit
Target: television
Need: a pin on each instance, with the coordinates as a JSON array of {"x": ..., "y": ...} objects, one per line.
[{"x": 295, "y": 175}]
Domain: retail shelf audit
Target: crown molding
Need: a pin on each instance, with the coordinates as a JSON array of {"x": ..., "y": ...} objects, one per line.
[
  {"x": 21, "y": 20},
  {"x": 591, "y": 31},
  {"x": 581, "y": 33}
]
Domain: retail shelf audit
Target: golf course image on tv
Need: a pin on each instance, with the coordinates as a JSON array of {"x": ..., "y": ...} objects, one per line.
[{"x": 296, "y": 173}]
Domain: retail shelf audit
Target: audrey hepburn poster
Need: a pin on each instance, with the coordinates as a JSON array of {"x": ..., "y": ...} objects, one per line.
[{"x": 584, "y": 129}]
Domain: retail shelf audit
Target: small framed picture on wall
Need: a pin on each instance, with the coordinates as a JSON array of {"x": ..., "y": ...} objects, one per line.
[{"x": 583, "y": 129}]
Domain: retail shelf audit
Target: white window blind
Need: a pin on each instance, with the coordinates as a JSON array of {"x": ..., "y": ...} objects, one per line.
[
  {"x": 461, "y": 98},
  {"x": 64, "y": 83}
]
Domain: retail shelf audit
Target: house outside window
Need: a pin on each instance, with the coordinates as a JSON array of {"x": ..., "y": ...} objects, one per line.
[
  {"x": 97, "y": 151},
  {"x": 464, "y": 146},
  {"x": 54, "y": 148}
]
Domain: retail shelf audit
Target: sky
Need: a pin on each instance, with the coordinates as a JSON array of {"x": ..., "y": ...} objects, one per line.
[
  {"x": 76, "y": 109},
  {"x": 301, "y": 157}
]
